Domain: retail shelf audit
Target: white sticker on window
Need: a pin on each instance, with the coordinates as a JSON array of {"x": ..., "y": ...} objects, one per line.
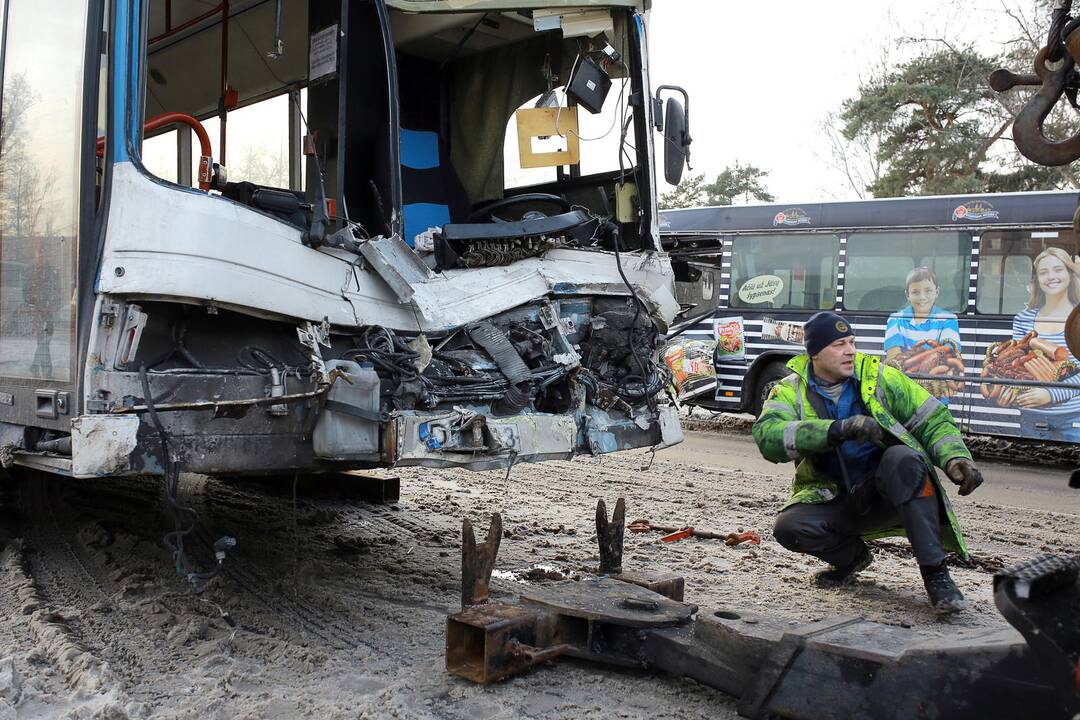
[
  {"x": 322, "y": 55},
  {"x": 760, "y": 289}
]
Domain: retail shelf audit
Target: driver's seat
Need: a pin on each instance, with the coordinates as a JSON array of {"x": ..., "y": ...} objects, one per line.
[{"x": 431, "y": 193}]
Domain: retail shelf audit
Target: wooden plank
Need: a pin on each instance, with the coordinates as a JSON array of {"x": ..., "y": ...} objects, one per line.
[{"x": 541, "y": 122}]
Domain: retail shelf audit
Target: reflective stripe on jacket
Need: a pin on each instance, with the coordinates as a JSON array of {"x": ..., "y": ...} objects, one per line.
[{"x": 788, "y": 429}]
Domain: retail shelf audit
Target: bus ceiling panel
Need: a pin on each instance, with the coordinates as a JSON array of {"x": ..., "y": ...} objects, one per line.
[
  {"x": 439, "y": 37},
  {"x": 171, "y": 20},
  {"x": 185, "y": 76},
  {"x": 444, "y": 6},
  {"x": 410, "y": 27}
]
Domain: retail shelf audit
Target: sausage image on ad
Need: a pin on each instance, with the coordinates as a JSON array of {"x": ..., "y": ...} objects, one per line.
[
  {"x": 1028, "y": 358},
  {"x": 930, "y": 357}
]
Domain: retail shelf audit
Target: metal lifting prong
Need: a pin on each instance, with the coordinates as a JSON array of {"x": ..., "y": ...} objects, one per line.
[
  {"x": 610, "y": 536},
  {"x": 477, "y": 561}
]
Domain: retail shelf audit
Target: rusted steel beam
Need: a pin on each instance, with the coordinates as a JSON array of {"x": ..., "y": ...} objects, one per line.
[
  {"x": 477, "y": 561},
  {"x": 609, "y": 534},
  {"x": 829, "y": 670}
]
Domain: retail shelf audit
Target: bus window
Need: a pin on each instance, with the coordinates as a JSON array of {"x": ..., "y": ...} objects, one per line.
[
  {"x": 784, "y": 271},
  {"x": 258, "y": 143},
  {"x": 159, "y": 155},
  {"x": 697, "y": 280},
  {"x": 598, "y": 135},
  {"x": 605, "y": 139},
  {"x": 878, "y": 265},
  {"x": 1005, "y": 260},
  {"x": 39, "y": 182}
]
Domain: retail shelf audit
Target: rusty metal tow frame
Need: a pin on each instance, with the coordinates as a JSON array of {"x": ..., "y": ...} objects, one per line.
[
  {"x": 837, "y": 668},
  {"x": 1056, "y": 75}
]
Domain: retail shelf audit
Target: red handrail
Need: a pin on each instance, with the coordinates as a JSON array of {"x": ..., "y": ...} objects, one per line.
[
  {"x": 170, "y": 30},
  {"x": 206, "y": 165}
]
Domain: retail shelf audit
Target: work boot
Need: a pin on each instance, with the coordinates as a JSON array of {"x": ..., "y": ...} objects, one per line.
[
  {"x": 836, "y": 576},
  {"x": 945, "y": 597}
]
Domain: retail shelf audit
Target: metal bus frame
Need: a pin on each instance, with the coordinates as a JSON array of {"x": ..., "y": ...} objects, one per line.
[{"x": 145, "y": 248}]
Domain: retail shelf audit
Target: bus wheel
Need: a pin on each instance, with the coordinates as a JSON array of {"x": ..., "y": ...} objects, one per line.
[{"x": 771, "y": 374}]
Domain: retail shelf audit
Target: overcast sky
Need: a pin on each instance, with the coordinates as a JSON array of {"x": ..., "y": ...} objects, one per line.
[{"x": 763, "y": 75}]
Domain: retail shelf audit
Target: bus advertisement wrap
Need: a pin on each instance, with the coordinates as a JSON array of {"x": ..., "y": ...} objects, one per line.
[
  {"x": 692, "y": 371},
  {"x": 974, "y": 314},
  {"x": 782, "y": 330},
  {"x": 730, "y": 339}
]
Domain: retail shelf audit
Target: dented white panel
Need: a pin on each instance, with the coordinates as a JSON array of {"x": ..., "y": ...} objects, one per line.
[
  {"x": 671, "y": 432},
  {"x": 210, "y": 249},
  {"x": 523, "y": 437},
  {"x": 102, "y": 444},
  {"x": 167, "y": 241}
]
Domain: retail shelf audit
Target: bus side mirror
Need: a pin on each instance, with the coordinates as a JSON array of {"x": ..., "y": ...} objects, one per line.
[
  {"x": 1074, "y": 479},
  {"x": 676, "y": 129}
]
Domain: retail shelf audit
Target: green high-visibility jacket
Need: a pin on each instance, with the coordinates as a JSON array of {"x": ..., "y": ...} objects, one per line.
[{"x": 788, "y": 429}]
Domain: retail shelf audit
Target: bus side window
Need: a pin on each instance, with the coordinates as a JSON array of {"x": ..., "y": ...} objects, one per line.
[
  {"x": 258, "y": 142},
  {"x": 784, "y": 271},
  {"x": 159, "y": 155},
  {"x": 1005, "y": 267},
  {"x": 1003, "y": 284},
  {"x": 878, "y": 265}
]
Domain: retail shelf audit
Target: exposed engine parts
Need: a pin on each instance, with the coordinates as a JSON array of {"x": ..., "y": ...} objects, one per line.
[
  {"x": 473, "y": 245},
  {"x": 539, "y": 357},
  {"x": 548, "y": 379},
  {"x": 620, "y": 350},
  {"x": 491, "y": 253}
]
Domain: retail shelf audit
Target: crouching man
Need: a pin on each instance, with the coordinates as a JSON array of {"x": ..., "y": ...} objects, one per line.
[{"x": 865, "y": 440}]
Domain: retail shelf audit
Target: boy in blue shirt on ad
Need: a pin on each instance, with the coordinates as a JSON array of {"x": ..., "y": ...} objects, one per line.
[{"x": 919, "y": 326}]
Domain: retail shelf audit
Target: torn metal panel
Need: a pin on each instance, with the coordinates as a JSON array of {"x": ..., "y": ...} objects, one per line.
[
  {"x": 102, "y": 444},
  {"x": 397, "y": 264},
  {"x": 457, "y": 297},
  {"x": 660, "y": 304},
  {"x": 671, "y": 432},
  {"x": 449, "y": 439},
  {"x": 264, "y": 268},
  {"x": 605, "y": 433}
]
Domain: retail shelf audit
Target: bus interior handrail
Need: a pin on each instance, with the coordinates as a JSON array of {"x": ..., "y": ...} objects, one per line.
[{"x": 178, "y": 118}]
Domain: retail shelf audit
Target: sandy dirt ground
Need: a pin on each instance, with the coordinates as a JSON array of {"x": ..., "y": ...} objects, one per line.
[{"x": 333, "y": 608}]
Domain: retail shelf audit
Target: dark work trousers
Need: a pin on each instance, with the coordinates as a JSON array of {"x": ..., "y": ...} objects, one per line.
[{"x": 898, "y": 493}]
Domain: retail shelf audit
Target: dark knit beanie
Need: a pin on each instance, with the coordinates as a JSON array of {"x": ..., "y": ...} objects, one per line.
[{"x": 823, "y": 329}]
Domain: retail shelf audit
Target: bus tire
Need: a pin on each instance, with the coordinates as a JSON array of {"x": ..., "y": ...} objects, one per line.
[{"x": 771, "y": 374}]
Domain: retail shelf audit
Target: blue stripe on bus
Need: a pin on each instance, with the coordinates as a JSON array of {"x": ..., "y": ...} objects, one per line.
[{"x": 125, "y": 52}]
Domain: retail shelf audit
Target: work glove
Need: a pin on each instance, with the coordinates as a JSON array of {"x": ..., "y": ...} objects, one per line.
[
  {"x": 964, "y": 473},
  {"x": 860, "y": 428}
]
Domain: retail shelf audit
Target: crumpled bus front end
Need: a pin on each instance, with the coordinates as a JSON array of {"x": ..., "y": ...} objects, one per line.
[
  {"x": 547, "y": 359},
  {"x": 444, "y": 252}
]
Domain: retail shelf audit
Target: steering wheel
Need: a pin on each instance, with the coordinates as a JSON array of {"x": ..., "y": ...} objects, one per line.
[{"x": 491, "y": 208}]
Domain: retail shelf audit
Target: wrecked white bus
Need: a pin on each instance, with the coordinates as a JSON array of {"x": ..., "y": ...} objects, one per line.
[{"x": 453, "y": 259}]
